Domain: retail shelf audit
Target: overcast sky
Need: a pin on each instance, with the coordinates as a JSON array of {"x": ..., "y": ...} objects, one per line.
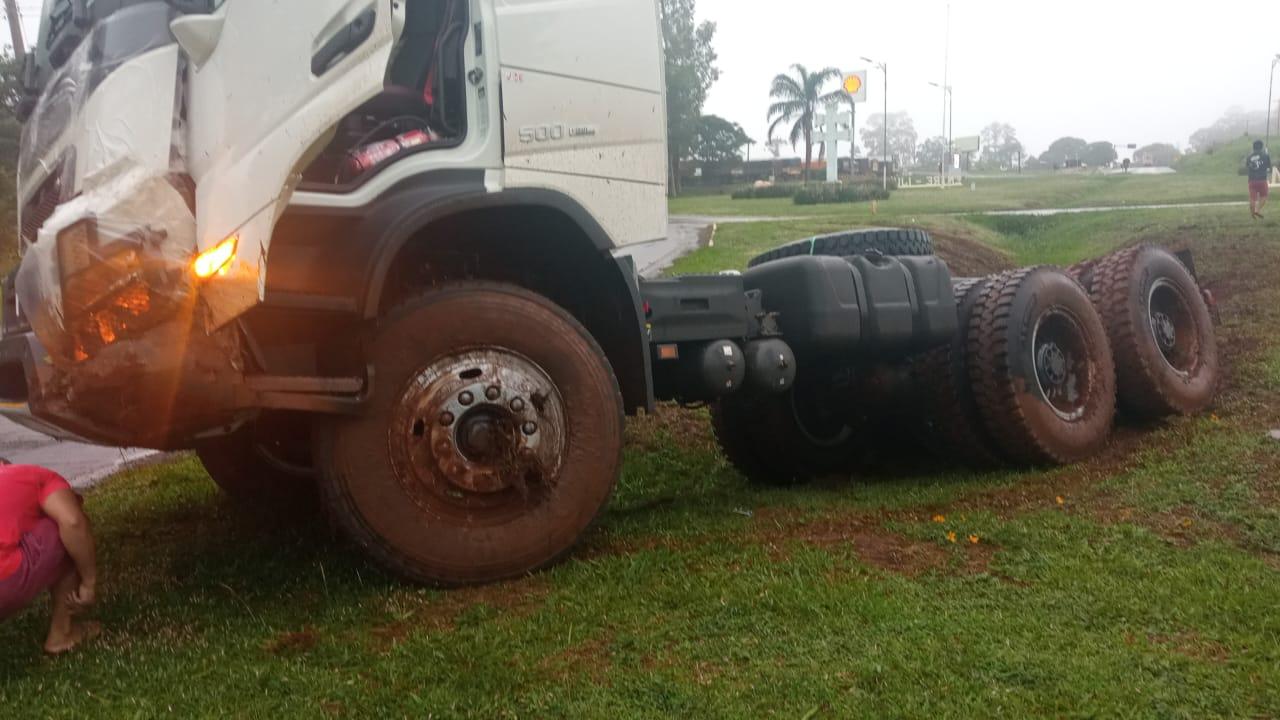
[{"x": 1125, "y": 71}]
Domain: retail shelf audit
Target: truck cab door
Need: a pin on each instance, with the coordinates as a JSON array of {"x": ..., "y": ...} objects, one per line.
[{"x": 267, "y": 84}]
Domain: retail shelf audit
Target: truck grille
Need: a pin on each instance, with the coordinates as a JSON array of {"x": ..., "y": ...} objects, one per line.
[{"x": 38, "y": 209}]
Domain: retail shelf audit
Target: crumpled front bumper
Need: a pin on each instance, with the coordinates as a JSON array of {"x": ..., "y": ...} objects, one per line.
[
  {"x": 158, "y": 391},
  {"x": 120, "y": 349}
]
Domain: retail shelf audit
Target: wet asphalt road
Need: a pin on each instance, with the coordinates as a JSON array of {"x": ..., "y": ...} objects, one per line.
[{"x": 81, "y": 465}]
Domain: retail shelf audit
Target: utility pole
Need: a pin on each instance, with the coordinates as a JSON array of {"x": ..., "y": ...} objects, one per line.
[
  {"x": 853, "y": 140},
  {"x": 15, "y": 29}
]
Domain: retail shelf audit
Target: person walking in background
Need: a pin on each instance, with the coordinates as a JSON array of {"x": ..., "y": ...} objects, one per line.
[
  {"x": 1258, "y": 165},
  {"x": 46, "y": 544}
]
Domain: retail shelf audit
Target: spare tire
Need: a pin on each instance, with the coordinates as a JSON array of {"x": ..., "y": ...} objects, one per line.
[
  {"x": 1041, "y": 368},
  {"x": 1161, "y": 332},
  {"x": 889, "y": 241},
  {"x": 942, "y": 376}
]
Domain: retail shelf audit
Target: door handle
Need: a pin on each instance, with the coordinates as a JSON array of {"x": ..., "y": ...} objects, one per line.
[{"x": 344, "y": 41}]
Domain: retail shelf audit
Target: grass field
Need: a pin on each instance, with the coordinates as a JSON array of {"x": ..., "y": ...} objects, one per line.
[
  {"x": 1030, "y": 192},
  {"x": 1140, "y": 584}
]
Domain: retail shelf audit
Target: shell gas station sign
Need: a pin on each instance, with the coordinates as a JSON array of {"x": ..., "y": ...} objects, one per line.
[{"x": 855, "y": 86}]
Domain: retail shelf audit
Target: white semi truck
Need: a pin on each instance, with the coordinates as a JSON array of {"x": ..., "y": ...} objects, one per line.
[{"x": 365, "y": 249}]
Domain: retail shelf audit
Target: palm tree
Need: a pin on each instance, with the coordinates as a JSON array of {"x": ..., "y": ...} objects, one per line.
[{"x": 796, "y": 100}]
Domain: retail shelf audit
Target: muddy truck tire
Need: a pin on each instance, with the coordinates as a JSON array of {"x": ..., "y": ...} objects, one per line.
[
  {"x": 785, "y": 439},
  {"x": 942, "y": 381},
  {"x": 887, "y": 241},
  {"x": 1041, "y": 368},
  {"x": 492, "y": 442},
  {"x": 265, "y": 464},
  {"x": 1161, "y": 332}
]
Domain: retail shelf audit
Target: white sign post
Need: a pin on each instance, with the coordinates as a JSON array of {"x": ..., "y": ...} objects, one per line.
[
  {"x": 831, "y": 125},
  {"x": 855, "y": 88}
]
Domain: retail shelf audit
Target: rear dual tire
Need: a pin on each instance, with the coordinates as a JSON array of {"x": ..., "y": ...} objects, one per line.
[
  {"x": 1040, "y": 367},
  {"x": 1160, "y": 329},
  {"x": 942, "y": 376}
]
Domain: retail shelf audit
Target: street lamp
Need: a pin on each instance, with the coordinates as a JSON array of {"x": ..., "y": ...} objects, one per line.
[
  {"x": 948, "y": 124},
  {"x": 1274, "y": 61},
  {"x": 884, "y": 68}
]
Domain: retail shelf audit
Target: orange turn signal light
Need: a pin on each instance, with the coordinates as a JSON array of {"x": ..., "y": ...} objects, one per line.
[{"x": 217, "y": 259}]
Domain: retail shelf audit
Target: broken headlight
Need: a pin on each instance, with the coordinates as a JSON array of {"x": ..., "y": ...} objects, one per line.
[{"x": 109, "y": 288}]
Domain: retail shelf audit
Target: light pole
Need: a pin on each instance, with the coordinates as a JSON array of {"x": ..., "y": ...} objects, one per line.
[
  {"x": 948, "y": 124},
  {"x": 1270, "y": 87},
  {"x": 884, "y": 68}
]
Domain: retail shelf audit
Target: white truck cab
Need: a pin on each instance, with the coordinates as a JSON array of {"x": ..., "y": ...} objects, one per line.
[{"x": 163, "y": 130}]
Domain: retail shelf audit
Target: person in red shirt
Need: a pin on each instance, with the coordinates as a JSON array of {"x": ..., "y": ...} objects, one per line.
[{"x": 46, "y": 544}]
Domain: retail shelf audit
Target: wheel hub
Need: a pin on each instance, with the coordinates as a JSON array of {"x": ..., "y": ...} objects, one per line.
[
  {"x": 1165, "y": 331},
  {"x": 478, "y": 429},
  {"x": 1060, "y": 357},
  {"x": 1173, "y": 326},
  {"x": 1051, "y": 363}
]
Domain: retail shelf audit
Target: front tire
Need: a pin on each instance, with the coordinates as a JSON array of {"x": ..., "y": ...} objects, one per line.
[{"x": 492, "y": 441}]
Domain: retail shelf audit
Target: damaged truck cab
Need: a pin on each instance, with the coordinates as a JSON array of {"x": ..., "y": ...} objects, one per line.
[{"x": 190, "y": 171}]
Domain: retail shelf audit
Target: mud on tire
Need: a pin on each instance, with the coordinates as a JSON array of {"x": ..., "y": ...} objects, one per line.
[
  {"x": 783, "y": 439},
  {"x": 492, "y": 441},
  {"x": 1041, "y": 368},
  {"x": 888, "y": 241},
  {"x": 942, "y": 376},
  {"x": 1161, "y": 332}
]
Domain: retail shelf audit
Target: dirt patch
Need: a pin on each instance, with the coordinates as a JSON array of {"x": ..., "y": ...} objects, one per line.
[
  {"x": 591, "y": 658},
  {"x": 293, "y": 643},
  {"x": 670, "y": 424},
  {"x": 1191, "y": 644},
  {"x": 967, "y": 257},
  {"x": 876, "y": 546},
  {"x": 416, "y": 614}
]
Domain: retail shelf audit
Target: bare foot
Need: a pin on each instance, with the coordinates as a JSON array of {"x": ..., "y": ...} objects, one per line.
[{"x": 81, "y": 633}]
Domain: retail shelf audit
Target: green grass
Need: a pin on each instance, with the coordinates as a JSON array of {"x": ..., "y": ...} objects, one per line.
[
  {"x": 1028, "y": 192},
  {"x": 1142, "y": 584},
  {"x": 1227, "y": 159}
]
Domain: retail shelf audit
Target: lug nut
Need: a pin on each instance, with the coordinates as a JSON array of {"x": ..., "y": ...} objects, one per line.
[
  {"x": 530, "y": 428},
  {"x": 466, "y": 398},
  {"x": 517, "y": 405},
  {"x": 447, "y": 419},
  {"x": 493, "y": 394}
]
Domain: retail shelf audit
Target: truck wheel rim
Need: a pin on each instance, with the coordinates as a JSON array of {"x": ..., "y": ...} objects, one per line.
[
  {"x": 479, "y": 436},
  {"x": 1173, "y": 327},
  {"x": 1061, "y": 363}
]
